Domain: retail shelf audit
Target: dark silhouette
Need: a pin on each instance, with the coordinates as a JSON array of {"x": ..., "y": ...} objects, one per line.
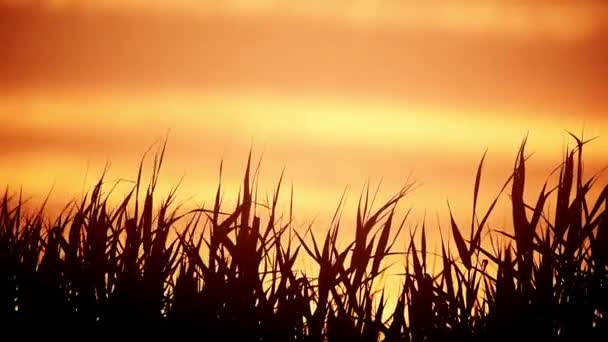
[{"x": 231, "y": 275}]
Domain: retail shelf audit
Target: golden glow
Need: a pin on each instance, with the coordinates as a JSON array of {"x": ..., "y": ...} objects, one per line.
[
  {"x": 337, "y": 92},
  {"x": 554, "y": 19},
  {"x": 325, "y": 144}
]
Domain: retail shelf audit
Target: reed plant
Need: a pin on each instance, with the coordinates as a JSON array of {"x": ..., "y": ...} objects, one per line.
[{"x": 147, "y": 263}]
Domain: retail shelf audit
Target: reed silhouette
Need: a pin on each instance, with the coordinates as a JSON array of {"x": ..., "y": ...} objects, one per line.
[{"x": 232, "y": 274}]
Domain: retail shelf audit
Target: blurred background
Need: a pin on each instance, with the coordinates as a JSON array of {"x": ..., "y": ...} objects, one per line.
[{"x": 336, "y": 93}]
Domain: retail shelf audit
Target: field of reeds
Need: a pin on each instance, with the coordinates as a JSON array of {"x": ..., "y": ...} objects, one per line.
[{"x": 231, "y": 273}]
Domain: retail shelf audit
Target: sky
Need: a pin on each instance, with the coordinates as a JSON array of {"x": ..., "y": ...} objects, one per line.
[{"x": 336, "y": 94}]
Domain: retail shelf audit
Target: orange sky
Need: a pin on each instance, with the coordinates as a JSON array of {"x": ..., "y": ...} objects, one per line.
[{"x": 337, "y": 94}]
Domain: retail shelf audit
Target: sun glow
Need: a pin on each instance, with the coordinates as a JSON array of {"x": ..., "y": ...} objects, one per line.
[{"x": 352, "y": 140}]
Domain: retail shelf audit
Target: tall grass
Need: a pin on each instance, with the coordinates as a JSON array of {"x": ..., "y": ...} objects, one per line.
[{"x": 232, "y": 273}]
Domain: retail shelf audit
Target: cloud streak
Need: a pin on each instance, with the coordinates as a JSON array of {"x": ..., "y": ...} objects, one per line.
[{"x": 69, "y": 49}]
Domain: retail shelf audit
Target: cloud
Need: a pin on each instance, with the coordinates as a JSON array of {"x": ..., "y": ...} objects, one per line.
[
  {"x": 302, "y": 55},
  {"x": 549, "y": 19}
]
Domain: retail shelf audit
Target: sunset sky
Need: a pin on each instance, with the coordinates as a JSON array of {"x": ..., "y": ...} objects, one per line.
[{"x": 337, "y": 94}]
